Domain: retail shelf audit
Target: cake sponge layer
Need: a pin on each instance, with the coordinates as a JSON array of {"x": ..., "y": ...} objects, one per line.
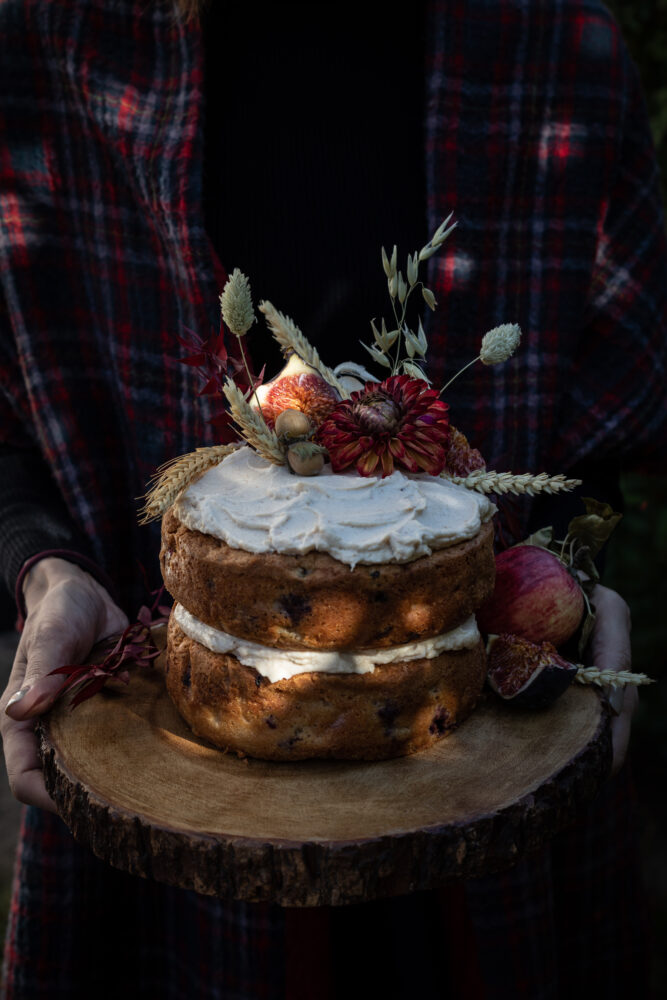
[
  {"x": 313, "y": 601},
  {"x": 396, "y": 709}
]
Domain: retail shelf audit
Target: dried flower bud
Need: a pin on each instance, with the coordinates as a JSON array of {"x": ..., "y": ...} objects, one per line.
[
  {"x": 236, "y": 304},
  {"x": 305, "y": 458},
  {"x": 500, "y": 343}
]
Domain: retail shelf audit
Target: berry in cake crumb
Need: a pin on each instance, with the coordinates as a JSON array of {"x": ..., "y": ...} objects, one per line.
[
  {"x": 440, "y": 722},
  {"x": 387, "y": 714},
  {"x": 295, "y": 606}
]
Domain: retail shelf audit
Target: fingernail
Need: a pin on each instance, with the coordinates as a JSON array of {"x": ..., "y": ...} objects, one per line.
[{"x": 17, "y": 696}]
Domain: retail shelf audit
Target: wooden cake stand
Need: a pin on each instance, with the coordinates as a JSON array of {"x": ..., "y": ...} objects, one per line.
[{"x": 132, "y": 782}]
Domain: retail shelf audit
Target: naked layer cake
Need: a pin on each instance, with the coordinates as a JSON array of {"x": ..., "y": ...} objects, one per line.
[{"x": 328, "y": 616}]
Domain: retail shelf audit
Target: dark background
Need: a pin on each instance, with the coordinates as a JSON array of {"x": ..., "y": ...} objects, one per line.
[{"x": 637, "y": 565}]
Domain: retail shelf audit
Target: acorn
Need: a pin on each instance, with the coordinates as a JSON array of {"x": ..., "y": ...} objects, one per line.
[
  {"x": 293, "y": 424},
  {"x": 305, "y": 458}
]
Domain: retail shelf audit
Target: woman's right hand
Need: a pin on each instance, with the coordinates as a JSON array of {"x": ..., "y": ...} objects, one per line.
[{"x": 68, "y": 611}]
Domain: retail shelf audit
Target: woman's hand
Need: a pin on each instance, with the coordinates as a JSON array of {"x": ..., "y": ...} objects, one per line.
[
  {"x": 67, "y": 613},
  {"x": 610, "y": 650}
]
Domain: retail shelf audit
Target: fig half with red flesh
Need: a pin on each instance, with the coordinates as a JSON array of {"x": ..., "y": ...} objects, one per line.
[{"x": 527, "y": 674}]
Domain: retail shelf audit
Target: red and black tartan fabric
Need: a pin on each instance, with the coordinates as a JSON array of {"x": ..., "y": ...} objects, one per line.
[{"x": 536, "y": 138}]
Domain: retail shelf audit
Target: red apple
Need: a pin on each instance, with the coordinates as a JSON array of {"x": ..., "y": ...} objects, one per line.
[{"x": 535, "y": 597}]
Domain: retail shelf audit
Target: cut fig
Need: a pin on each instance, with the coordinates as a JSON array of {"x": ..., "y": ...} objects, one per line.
[
  {"x": 296, "y": 387},
  {"x": 527, "y": 674}
]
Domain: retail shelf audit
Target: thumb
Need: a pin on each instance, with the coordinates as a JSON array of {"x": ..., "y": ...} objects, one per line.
[{"x": 47, "y": 646}]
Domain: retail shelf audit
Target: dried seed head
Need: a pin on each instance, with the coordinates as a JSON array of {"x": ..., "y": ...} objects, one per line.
[
  {"x": 412, "y": 369},
  {"x": 236, "y": 304},
  {"x": 500, "y": 343},
  {"x": 377, "y": 355},
  {"x": 429, "y": 298},
  {"x": 386, "y": 267},
  {"x": 402, "y": 288},
  {"x": 412, "y": 269},
  {"x": 394, "y": 260}
]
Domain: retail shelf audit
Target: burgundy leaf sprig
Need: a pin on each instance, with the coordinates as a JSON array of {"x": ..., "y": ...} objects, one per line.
[
  {"x": 215, "y": 366},
  {"x": 134, "y": 646}
]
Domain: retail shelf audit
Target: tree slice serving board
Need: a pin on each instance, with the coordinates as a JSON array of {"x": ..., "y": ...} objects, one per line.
[{"x": 134, "y": 784}]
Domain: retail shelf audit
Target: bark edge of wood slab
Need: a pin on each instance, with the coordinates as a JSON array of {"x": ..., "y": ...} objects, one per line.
[{"x": 317, "y": 871}]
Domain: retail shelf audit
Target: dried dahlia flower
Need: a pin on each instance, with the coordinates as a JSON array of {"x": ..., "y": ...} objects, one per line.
[{"x": 396, "y": 423}]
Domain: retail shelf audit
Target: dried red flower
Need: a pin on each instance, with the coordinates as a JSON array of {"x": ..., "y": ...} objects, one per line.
[
  {"x": 396, "y": 423},
  {"x": 461, "y": 458}
]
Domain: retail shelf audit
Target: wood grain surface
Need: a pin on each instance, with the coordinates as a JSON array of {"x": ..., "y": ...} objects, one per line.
[{"x": 133, "y": 783}]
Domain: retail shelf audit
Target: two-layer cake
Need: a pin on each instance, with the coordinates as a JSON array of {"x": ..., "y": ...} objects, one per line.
[{"x": 325, "y": 617}]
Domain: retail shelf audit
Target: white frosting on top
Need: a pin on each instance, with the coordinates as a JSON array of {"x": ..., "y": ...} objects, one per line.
[
  {"x": 278, "y": 664},
  {"x": 253, "y": 505}
]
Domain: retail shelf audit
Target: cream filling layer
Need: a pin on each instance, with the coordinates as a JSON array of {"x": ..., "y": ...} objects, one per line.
[
  {"x": 280, "y": 664},
  {"x": 253, "y": 505}
]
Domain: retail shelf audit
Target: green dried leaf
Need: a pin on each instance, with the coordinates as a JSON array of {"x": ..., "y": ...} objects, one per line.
[
  {"x": 595, "y": 526},
  {"x": 583, "y": 564}
]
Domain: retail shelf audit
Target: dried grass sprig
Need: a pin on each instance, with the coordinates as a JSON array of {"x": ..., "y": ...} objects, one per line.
[
  {"x": 290, "y": 338},
  {"x": 236, "y": 304},
  {"x": 252, "y": 426},
  {"x": 611, "y": 678},
  {"x": 506, "y": 482},
  {"x": 173, "y": 477}
]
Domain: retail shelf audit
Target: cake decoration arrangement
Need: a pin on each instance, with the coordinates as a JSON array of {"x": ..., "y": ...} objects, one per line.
[{"x": 336, "y": 592}]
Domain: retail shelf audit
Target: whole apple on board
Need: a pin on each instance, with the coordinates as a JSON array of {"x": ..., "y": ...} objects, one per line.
[
  {"x": 535, "y": 597},
  {"x": 538, "y": 603}
]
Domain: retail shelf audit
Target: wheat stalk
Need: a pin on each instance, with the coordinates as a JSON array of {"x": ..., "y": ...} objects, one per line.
[
  {"x": 506, "y": 482},
  {"x": 173, "y": 477},
  {"x": 290, "y": 338},
  {"x": 252, "y": 426},
  {"x": 612, "y": 678}
]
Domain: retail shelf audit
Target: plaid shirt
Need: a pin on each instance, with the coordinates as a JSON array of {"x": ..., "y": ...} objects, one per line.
[{"x": 536, "y": 137}]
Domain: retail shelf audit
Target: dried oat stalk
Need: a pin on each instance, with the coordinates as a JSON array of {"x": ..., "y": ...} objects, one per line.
[
  {"x": 251, "y": 425},
  {"x": 506, "y": 482},
  {"x": 290, "y": 338},
  {"x": 176, "y": 475}
]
